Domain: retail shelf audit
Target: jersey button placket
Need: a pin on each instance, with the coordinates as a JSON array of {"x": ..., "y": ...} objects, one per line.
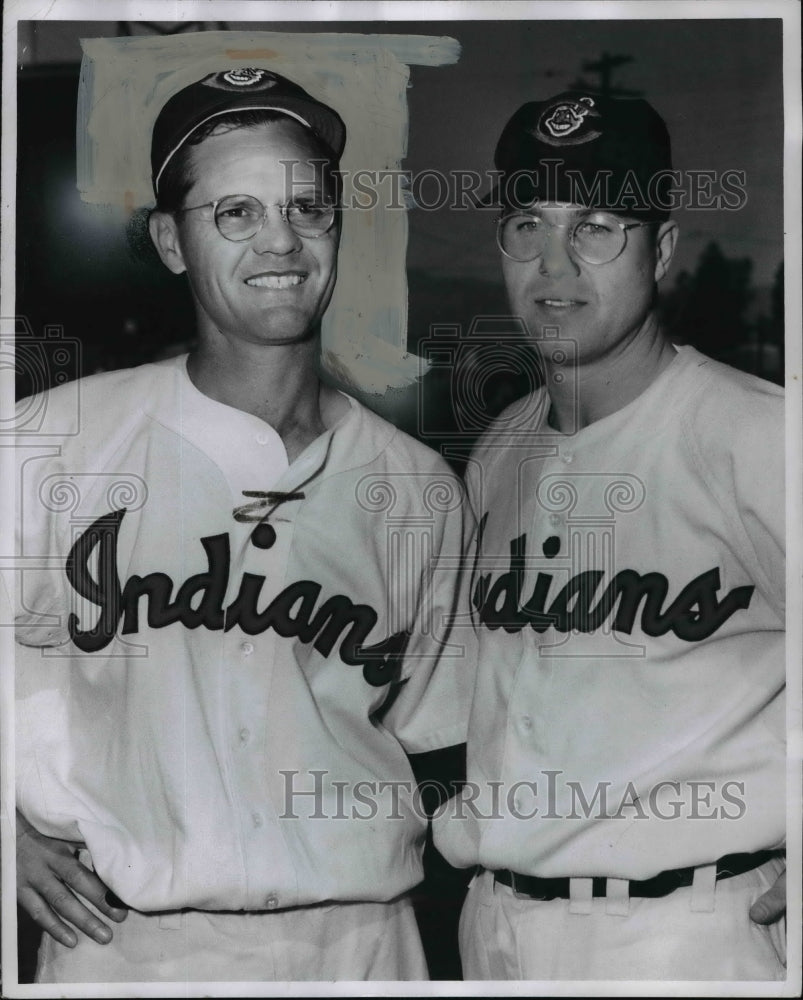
[
  {"x": 265, "y": 554},
  {"x": 248, "y": 661}
]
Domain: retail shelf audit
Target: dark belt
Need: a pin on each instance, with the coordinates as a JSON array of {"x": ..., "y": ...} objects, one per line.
[{"x": 659, "y": 885}]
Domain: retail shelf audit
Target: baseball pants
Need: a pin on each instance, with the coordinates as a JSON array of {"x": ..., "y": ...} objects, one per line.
[
  {"x": 344, "y": 941},
  {"x": 700, "y": 932}
]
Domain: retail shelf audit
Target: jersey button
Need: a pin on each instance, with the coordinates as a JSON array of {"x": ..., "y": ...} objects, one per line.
[
  {"x": 527, "y": 721},
  {"x": 245, "y": 736},
  {"x": 567, "y": 457},
  {"x": 247, "y": 648},
  {"x": 257, "y": 820},
  {"x": 263, "y": 438},
  {"x": 272, "y": 902}
]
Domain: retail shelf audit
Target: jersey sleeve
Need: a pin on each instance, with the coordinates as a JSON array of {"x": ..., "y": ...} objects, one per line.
[
  {"x": 759, "y": 486},
  {"x": 431, "y": 707},
  {"x": 737, "y": 441}
]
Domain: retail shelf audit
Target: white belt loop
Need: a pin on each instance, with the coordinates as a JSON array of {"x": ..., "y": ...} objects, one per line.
[
  {"x": 703, "y": 889},
  {"x": 617, "y": 896},
  {"x": 581, "y": 895},
  {"x": 170, "y": 921}
]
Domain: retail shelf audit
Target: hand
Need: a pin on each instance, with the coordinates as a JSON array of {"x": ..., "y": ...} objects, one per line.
[
  {"x": 772, "y": 905},
  {"x": 48, "y": 876}
]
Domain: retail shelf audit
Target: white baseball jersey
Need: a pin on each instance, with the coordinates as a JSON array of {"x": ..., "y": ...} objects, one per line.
[
  {"x": 204, "y": 670},
  {"x": 628, "y": 591}
]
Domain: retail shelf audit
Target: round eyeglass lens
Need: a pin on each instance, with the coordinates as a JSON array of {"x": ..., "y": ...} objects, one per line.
[
  {"x": 599, "y": 238},
  {"x": 240, "y": 216},
  {"x": 310, "y": 218},
  {"x": 596, "y": 239}
]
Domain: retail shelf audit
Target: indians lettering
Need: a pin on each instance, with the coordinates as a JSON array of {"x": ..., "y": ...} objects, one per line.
[
  {"x": 198, "y": 602},
  {"x": 696, "y": 612}
]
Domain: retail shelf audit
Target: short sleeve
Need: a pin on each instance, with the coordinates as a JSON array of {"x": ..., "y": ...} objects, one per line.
[{"x": 431, "y": 709}]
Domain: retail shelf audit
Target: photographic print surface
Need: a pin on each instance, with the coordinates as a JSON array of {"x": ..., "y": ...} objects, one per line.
[{"x": 485, "y": 582}]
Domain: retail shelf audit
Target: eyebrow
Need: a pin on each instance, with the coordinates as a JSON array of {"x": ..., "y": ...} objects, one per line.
[
  {"x": 576, "y": 213},
  {"x": 313, "y": 192}
]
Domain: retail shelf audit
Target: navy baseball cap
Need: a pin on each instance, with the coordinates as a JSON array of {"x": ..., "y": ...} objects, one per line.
[
  {"x": 239, "y": 90},
  {"x": 584, "y": 149}
]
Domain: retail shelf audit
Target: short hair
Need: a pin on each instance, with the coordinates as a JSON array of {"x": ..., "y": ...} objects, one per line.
[{"x": 177, "y": 178}]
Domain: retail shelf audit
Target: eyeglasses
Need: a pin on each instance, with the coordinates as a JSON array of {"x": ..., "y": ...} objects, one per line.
[
  {"x": 596, "y": 238},
  {"x": 240, "y": 217}
]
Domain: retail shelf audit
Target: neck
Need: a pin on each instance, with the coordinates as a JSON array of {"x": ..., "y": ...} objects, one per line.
[
  {"x": 606, "y": 384},
  {"x": 279, "y": 384}
]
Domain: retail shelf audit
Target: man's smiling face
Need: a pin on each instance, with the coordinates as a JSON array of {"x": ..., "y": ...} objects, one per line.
[{"x": 275, "y": 287}]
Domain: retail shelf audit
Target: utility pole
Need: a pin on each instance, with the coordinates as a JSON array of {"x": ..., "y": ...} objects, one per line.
[{"x": 603, "y": 68}]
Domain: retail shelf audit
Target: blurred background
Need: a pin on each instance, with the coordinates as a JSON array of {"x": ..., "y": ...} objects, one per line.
[{"x": 717, "y": 83}]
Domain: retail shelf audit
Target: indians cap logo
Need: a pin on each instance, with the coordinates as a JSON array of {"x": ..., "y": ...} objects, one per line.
[
  {"x": 564, "y": 123},
  {"x": 243, "y": 79}
]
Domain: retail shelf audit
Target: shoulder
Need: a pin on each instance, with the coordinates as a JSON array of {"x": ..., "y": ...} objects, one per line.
[
  {"x": 733, "y": 429},
  {"x": 385, "y": 444},
  {"x": 729, "y": 406},
  {"x": 521, "y": 423},
  {"x": 141, "y": 382},
  {"x": 66, "y": 409},
  {"x": 392, "y": 471},
  {"x": 737, "y": 385}
]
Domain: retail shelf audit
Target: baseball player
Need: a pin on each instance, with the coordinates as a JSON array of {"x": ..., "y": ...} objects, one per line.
[
  {"x": 626, "y": 760},
  {"x": 233, "y": 588}
]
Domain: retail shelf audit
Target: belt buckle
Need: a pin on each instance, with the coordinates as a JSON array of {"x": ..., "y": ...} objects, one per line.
[
  {"x": 541, "y": 897},
  {"x": 519, "y": 893}
]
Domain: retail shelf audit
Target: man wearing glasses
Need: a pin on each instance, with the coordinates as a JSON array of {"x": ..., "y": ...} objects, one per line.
[
  {"x": 223, "y": 666},
  {"x": 626, "y": 759}
]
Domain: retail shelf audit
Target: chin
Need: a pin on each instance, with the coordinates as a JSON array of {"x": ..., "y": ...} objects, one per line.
[{"x": 284, "y": 329}]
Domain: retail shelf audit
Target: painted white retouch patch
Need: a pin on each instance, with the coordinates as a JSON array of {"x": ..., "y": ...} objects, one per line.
[{"x": 126, "y": 81}]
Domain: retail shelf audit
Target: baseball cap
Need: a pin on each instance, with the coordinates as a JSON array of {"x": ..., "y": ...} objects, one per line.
[
  {"x": 585, "y": 149},
  {"x": 238, "y": 89}
]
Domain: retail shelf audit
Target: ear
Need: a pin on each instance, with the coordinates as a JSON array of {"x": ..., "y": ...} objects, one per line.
[
  {"x": 665, "y": 242},
  {"x": 164, "y": 233}
]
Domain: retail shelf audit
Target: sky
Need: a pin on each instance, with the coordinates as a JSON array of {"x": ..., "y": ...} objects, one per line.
[{"x": 718, "y": 85}]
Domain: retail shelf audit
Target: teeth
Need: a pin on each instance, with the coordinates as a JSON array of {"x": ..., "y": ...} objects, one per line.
[
  {"x": 559, "y": 302},
  {"x": 275, "y": 280}
]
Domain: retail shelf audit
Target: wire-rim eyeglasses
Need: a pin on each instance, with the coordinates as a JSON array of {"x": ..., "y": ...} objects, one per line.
[
  {"x": 596, "y": 237},
  {"x": 239, "y": 217}
]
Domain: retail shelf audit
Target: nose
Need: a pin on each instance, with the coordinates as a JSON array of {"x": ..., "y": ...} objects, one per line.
[
  {"x": 276, "y": 236},
  {"x": 556, "y": 258}
]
